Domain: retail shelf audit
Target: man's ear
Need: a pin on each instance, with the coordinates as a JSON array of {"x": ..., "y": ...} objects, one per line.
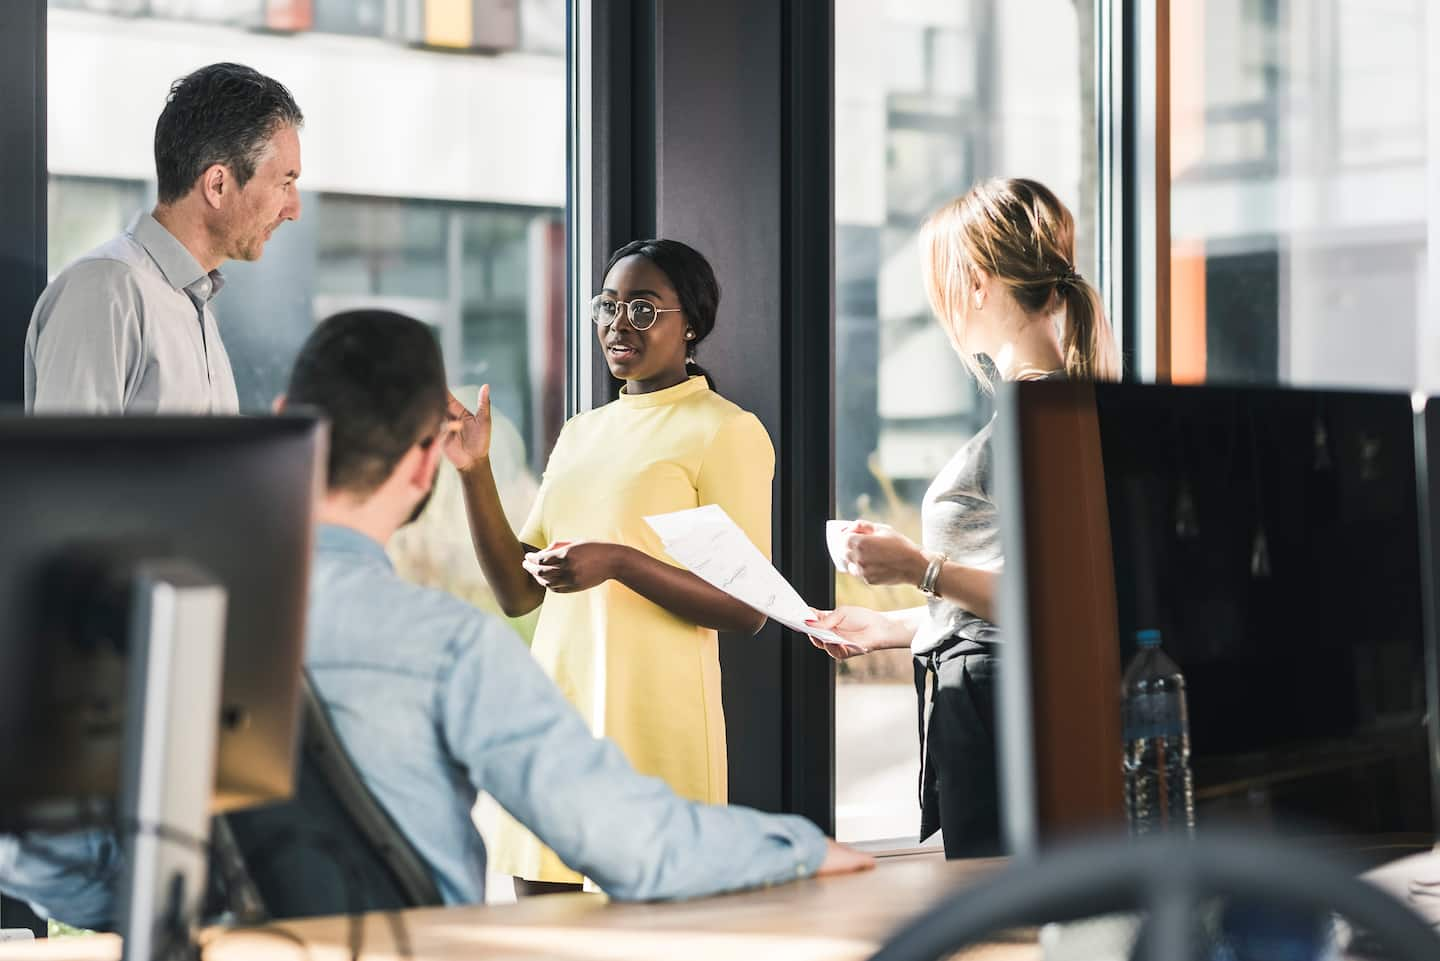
[
  {"x": 277, "y": 405},
  {"x": 214, "y": 183},
  {"x": 427, "y": 465}
]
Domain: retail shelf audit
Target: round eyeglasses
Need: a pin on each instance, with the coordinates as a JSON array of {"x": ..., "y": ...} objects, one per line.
[{"x": 641, "y": 313}]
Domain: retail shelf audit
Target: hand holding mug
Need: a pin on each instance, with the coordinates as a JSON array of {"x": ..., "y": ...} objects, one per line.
[{"x": 879, "y": 554}]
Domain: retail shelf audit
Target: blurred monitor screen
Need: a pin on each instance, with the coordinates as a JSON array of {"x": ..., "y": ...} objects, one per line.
[
  {"x": 1273, "y": 537},
  {"x": 84, "y": 498}
]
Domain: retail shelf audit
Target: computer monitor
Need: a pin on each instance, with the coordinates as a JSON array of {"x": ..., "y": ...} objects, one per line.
[
  {"x": 80, "y": 495},
  {"x": 1272, "y": 536},
  {"x": 153, "y": 578}
]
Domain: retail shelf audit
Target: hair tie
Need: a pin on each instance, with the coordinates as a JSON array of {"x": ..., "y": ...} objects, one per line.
[{"x": 1069, "y": 276}]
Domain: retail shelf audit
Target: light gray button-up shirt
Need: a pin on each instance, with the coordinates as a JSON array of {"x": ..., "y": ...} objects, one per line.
[{"x": 127, "y": 329}]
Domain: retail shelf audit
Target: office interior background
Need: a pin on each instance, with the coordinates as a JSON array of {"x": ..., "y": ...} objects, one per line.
[{"x": 1255, "y": 184}]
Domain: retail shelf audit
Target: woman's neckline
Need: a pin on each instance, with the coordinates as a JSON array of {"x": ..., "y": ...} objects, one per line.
[{"x": 669, "y": 395}]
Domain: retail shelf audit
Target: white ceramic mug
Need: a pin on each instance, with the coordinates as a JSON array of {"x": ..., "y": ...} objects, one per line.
[{"x": 836, "y": 533}]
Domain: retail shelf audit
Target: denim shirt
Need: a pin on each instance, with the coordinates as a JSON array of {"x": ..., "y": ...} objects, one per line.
[{"x": 436, "y": 701}]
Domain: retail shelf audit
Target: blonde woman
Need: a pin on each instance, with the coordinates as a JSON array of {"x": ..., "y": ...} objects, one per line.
[{"x": 999, "y": 268}]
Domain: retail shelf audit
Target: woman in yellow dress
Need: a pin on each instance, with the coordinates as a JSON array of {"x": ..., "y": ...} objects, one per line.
[{"x": 628, "y": 636}]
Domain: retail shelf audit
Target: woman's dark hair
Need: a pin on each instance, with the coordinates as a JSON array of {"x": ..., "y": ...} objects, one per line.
[
  {"x": 694, "y": 282},
  {"x": 225, "y": 113}
]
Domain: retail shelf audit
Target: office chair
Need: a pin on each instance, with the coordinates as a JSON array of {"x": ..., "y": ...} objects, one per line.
[
  {"x": 1167, "y": 878},
  {"x": 16, "y": 915},
  {"x": 331, "y": 849}
]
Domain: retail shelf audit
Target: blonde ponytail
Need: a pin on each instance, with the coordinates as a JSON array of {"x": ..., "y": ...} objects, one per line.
[
  {"x": 1087, "y": 343},
  {"x": 1018, "y": 232}
]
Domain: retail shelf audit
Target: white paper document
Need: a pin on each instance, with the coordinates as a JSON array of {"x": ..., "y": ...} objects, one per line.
[{"x": 717, "y": 551}]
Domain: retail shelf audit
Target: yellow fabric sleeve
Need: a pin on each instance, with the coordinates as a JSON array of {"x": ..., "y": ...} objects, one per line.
[{"x": 736, "y": 474}]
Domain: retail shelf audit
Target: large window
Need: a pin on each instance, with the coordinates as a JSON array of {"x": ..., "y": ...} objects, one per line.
[
  {"x": 1298, "y": 193},
  {"x": 433, "y": 184},
  {"x": 929, "y": 98}
]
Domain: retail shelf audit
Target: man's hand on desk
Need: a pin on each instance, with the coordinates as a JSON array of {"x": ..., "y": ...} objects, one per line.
[{"x": 842, "y": 860}]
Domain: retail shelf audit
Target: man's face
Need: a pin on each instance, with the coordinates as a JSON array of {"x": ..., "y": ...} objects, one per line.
[{"x": 265, "y": 202}]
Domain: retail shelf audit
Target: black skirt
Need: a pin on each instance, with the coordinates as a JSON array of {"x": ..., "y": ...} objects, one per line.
[{"x": 959, "y": 769}]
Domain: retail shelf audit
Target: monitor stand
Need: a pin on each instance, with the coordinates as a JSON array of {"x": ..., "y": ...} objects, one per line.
[{"x": 172, "y": 718}]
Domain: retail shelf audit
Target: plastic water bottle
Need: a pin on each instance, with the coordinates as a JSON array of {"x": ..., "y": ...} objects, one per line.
[{"x": 1159, "y": 791}]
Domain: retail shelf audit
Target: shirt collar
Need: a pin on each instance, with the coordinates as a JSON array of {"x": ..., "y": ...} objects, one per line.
[
  {"x": 182, "y": 271},
  {"x": 335, "y": 539}
]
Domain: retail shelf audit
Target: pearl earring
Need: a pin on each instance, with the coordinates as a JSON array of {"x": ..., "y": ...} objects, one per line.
[{"x": 689, "y": 335}]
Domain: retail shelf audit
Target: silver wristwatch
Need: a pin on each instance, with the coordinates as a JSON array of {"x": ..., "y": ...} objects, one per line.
[{"x": 932, "y": 573}]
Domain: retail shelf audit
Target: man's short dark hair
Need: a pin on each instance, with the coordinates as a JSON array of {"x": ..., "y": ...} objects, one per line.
[
  {"x": 221, "y": 114},
  {"x": 379, "y": 378}
]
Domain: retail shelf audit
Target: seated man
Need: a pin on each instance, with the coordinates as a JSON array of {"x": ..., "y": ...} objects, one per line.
[{"x": 436, "y": 701}]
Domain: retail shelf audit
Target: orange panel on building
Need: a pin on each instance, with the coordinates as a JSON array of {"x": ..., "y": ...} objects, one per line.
[{"x": 289, "y": 15}]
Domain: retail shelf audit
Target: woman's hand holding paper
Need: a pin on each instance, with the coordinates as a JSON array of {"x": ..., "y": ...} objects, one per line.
[{"x": 862, "y": 630}]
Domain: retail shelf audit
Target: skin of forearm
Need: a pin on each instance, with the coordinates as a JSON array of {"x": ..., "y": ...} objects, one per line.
[
  {"x": 498, "y": 549},
  {"x": 683, "y": 594},
  {"x": 970, "y": 588},
  {"x": 905, "y": 622}
]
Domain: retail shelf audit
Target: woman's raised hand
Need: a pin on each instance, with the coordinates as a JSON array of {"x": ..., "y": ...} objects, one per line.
[{"x": 467, "y": 441}]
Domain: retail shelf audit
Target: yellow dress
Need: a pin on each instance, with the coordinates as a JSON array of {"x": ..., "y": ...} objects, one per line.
[{"x": 640, "y": 675}]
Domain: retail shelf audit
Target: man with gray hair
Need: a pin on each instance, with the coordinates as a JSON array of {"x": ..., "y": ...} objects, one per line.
[{"x": 127, "y": 328}]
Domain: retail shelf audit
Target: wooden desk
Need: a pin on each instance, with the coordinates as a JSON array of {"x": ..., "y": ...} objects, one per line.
[{"x": 831, "y": 919}]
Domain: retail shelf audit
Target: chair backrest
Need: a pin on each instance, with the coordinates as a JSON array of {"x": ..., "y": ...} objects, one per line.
[
  {"x": 330, "y": 849},
  {"x": 1171, "y": 880}
]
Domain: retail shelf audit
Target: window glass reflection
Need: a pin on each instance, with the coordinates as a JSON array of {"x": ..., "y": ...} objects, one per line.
[
  {"x": 1298, "y": 192},
  {"x": 930, "y": 97}
]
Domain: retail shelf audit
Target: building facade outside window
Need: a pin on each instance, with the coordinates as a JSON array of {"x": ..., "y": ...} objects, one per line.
[{"x": 1299, "y": 193}]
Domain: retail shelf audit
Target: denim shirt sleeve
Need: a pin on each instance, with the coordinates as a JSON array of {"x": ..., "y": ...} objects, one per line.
[
  {"x": 71, "y": 877},
  {"x": 523, "y": 743}
]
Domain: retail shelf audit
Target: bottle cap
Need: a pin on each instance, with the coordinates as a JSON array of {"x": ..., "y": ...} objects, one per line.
[{"x": 1149, "y": 637}]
